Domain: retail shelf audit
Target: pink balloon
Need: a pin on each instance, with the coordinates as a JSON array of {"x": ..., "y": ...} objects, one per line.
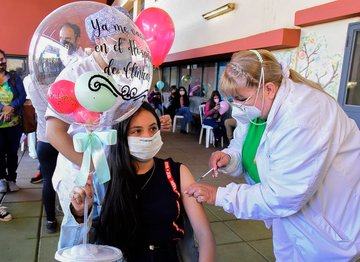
[
  {"x": 61, "y": 96},
  {"x": 224, "y": 106},
  {"x": 84, "y": 116},
  {"x": 158, "y": 30}
]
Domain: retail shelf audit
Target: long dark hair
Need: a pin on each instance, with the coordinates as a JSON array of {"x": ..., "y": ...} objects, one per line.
[
  {"x": 185, "y": 97},
  {"x": 214, "y": 93},
  {"x": 4, "y": 54},
  {"x": 119, "y": 217}
]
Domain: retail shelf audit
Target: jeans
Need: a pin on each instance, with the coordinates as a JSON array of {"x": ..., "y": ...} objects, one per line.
[
  {"x": 218, "y": 127},
  {"x": 47, "y": 156},
  {"x": 184, "y": 111},
  {"x": 9, "y": 145},
  {"x": 158, "y": 107}
]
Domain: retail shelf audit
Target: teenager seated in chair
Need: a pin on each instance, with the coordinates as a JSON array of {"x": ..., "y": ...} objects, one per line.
[
  {"x": 213, "y": 117},
  {"x": 155, "y": 100},
  {"x": 144, "y": 205},
  {"x": 170, "y": 104},
  {"x": 182, "y": 103}
]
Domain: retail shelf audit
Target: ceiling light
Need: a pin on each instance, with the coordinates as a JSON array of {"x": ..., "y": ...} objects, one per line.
[{"x": 219, "y": 11}]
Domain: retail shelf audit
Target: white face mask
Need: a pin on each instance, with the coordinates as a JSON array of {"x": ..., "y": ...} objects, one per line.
[
  {"x": 244, "y": 113},
  {"x": 216, "y": 100},
  {"x": 182, "y": 93},
  {"x": 145, "y": 148}
]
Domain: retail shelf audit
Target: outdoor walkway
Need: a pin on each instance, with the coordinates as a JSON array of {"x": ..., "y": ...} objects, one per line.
[{"x": 24, "y": 238}]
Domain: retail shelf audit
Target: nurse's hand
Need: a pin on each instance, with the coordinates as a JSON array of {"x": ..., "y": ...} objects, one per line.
[
  {"x": 202, "y": 193},
  {"x": 165, "y": 121},
  {"x": 218, "y": 159},
  {"x": 77, "y": 196}
]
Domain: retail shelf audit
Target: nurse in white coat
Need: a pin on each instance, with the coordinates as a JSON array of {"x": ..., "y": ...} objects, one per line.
[{"x": 300, "y": 155}]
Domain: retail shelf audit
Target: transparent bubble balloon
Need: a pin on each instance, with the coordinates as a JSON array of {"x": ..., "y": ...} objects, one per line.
[{"x": 90, "y": 63}]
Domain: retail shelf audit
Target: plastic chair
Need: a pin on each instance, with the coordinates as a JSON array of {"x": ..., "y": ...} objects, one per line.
[
  {"x": 209, "y": 134},
  {"x": 179, "y": 117}
]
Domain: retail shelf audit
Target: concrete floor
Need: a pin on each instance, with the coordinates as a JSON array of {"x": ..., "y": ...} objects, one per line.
[{"x": 24, "y": 238}]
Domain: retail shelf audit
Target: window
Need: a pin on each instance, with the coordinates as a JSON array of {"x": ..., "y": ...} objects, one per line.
[
  {"x": 174, "y": 78},
  {"x": 195, "y": 87},
  {"x": 349, "y": 92},
  {"x": 185, "y": 77},
  {"x": 166, "y": 78},
  {"x": 17, "y": 63},
  {"x": 353, "y": 82},
  {"x": 209, "y": 79}
]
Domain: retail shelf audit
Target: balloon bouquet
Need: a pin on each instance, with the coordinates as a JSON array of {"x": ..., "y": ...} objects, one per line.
[
  {"x": 94, "y": 92},
  {"x": 159, "y": 32}
]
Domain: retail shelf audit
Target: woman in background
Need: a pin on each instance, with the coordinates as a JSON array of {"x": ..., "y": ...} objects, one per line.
[
  {"x": 182, "y": 104},
  {"x": 213, "y": 117},
  {"x": 12, "y": 97}
]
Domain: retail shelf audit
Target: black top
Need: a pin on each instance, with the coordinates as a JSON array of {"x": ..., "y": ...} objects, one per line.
[
  {"x": 159, "y": 204},
  {"x": 176, "y": 101}
]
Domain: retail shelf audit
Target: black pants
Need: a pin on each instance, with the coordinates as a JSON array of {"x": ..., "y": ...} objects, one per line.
[
  {"x": 218, "y": 128},
  {"x": 165, "y": 252},
  {"x": 9, "y": 145},
  {"x": 47, "y": 156}
]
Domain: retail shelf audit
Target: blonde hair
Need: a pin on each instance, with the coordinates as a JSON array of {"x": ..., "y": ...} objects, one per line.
[{"x": 244, "y": 70}]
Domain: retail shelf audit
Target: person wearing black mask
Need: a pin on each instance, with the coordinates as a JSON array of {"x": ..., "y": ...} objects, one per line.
[
  {"x": 12, "y": 97},
  {"x": 69, "y": 39}
]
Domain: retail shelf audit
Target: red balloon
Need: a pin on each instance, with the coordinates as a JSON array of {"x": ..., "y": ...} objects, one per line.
[
  {"x": 158, "y": 30},
  {"x": 61, "y": 96},
  {"x": 84, "y": 116}
]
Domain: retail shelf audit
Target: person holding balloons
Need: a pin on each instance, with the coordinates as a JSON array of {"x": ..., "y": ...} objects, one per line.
[
  {"x": 213, "y": 115},
  {"x": 88, "y": 97},
  {"x": 182, "y": 103},
  {"x": 155, "y": 99}
]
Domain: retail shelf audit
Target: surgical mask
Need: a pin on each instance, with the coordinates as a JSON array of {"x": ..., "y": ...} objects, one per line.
[
  {"x": 216, "y": 100},
  {"x": 182, "y": 93},
  {"x": 145, "y": 148}
]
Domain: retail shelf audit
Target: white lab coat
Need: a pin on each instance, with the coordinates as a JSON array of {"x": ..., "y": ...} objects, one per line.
[{"x": 309, "y": 165}]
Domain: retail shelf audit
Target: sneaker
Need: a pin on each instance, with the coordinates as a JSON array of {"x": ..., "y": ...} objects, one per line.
[
  {"x": 13, "y": 186},
  {"x": 4, "y": 215},
  {"x": 51, "y": 226},
  {"x": 36, "y": 179},
  {"x": 182, "y": 131},
  {"x": 3, "y": 186}
]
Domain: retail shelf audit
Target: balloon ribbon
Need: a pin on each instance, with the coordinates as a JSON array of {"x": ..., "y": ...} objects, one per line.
[{"x": 91, "y": 144}]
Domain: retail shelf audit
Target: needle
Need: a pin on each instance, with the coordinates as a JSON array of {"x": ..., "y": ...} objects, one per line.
[{"x": 204, "y": 175}]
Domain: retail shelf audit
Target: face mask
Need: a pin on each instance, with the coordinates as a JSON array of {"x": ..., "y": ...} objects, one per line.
[
  {"x": 182, "y": 93},
  {"x": 145, "y": 148},
  {"x": 216, "y": 100},
  {"x": 245, "y": 114},
  {"x": 69, "y": 46}
]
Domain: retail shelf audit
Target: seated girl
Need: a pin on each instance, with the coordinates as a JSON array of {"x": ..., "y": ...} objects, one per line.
[{"x": 143, "y": 209}]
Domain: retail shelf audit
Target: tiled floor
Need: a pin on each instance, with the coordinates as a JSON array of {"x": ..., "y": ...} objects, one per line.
[{"x": 24, "y": 238}]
